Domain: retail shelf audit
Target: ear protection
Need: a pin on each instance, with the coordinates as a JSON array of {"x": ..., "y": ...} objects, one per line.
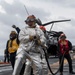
[{"x": 30, "y": 18}]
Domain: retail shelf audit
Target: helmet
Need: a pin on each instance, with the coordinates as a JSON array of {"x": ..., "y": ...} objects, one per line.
[
  {"x": 13, "y": 35},
  {"x": 13, "y": 32},
  {"x": 42, "y": 28},
  {"x": 62, "y": 36},
  {"x": 30, "y": 18}
]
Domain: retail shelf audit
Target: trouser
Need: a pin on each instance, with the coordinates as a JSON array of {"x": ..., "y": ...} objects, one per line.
[
  {"x": 23, "y": 69},
  {"x": 12, "y": 60},
  {"x": 44, "y": 66},
  {"x": 28, "y": 68},
  {"x": 68, "y": 57},
  {"x": 6, "y": 58},
  {"x": 34, "y": 59}
]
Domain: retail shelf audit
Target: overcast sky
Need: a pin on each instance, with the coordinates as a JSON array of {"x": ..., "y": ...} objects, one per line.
[{"x": 13, "y": 12}]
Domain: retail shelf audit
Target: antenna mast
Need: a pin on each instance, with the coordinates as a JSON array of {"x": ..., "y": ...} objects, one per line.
[{"x": 26, "y": 9}]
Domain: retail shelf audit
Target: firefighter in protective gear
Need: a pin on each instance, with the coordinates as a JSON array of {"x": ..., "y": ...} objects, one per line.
[
  {"x": 31, "y": 38},
  {"x": 64, "y": 47},
  {"x": 12, "y": 46}
]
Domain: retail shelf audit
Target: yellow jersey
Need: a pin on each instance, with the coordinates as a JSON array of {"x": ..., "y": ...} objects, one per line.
[{"x": 14, "y": 47}]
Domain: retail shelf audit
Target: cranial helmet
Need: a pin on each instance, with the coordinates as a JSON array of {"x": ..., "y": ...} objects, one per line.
[
  {"x": 42, "y": 28},
  {"x": 30, "y": 18},
  {"x": 62, "y": 36},
  {"x": 13, "y": 32},
  {"x": 13, "y": 35}
]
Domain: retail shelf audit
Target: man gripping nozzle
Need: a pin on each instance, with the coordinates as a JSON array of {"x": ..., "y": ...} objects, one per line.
[{"x": 31, "y": 40}]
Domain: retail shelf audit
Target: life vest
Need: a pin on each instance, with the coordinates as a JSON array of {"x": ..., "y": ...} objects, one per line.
[
  {"x": 63, "y": 46},
  {"x": 12, "y": 46}
]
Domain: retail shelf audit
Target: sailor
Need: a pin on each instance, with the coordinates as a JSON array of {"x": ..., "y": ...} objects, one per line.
[
  {"x": 31, "y": 41},
  {"x": 12, "y": 46},
  {"x": 65, "y": 46},
  {"x": 46, "y": 35}
]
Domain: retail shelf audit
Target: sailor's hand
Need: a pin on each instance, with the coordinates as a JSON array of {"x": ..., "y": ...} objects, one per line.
[
  {"x": 71, "y": 51},
  {"x": 46, "y": 46},
  {"x": 14, "y": 26},
  {"x": 39, "y": 42},
  {"x": 31, "y": 37}
]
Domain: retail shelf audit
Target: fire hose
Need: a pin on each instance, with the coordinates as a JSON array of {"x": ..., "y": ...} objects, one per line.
[{"x": 44, "y": 49}]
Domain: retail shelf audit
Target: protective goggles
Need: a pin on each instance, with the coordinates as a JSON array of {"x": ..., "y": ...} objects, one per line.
[
  {"x": 63, "y": 37},
  {"x": 29, "y": 20}
]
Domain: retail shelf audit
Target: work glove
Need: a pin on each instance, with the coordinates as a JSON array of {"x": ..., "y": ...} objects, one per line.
[
  {"x": 31, "y": 38},
  {"x": 14, "y": 26},
  {"x": 35, "y": 38},
  {"x": 71, "y": 51},
  {"x": 38, "y": 42}
]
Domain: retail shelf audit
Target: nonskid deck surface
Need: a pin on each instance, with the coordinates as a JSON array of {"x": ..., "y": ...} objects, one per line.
[{"x": 6, "y": 69}]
